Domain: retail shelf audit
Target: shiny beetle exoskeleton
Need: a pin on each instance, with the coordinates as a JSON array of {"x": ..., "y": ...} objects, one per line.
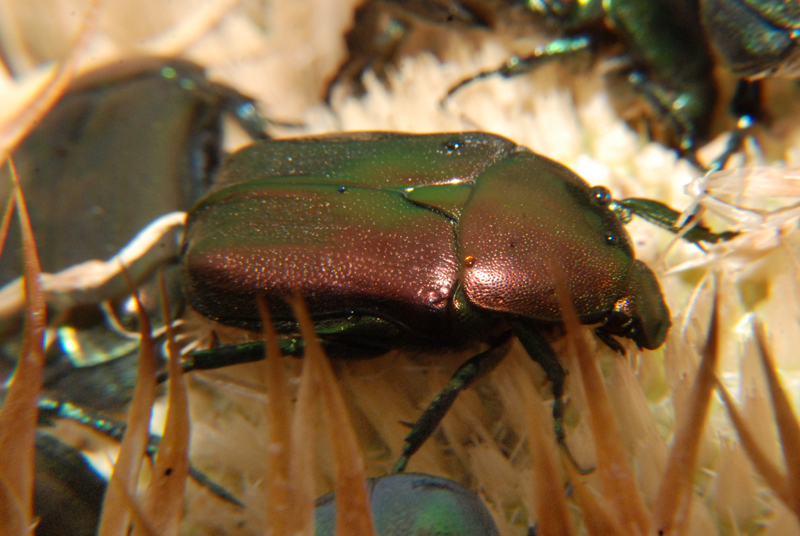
[
  {"x": 401, "y": 240},
  {"x": 665, "y": 57},
  {"x": 415, "y": 504}
]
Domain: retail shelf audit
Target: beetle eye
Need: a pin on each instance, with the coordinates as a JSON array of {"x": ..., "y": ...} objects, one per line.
[{"x": 601, "y": 195}]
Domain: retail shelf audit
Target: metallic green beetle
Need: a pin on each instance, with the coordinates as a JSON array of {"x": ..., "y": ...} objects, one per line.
[
  {"x": 401, "y": 240},
  {"x": 666, "y": 59},
  {"x": 415, "y": 504}
]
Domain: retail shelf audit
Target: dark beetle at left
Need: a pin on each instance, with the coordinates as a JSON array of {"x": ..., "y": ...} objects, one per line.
[
  {"x": 401, "y": 240},
  {"x": 127, "y": 144}
]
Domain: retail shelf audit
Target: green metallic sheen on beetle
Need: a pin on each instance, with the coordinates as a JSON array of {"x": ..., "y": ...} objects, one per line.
[
  {"x": 757, "y": 38},
  {"x": 402, "y": 240},
  {"x": 415, "y": 504},
  {"x": 666, "y": 59},
  {"x": 443, "y": 237}
]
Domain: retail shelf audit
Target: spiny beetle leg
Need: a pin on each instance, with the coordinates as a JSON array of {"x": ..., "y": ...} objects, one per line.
[
  {"x": 474, "y": 368},
  {"x": 610, "y": 341},
  {"x": 223, "y": 356},
  {"x": 244, "y": 111},
  {"x": 553, "y": 51},
  {"x": 249, "y": 352},
  {"x": 349, "y": 338},
  {"x": 746, "y": 107},
  {"x": 234, "y": 354},
  {"x": 50, "y": 410},
  {"x": 675, "y": 108},
  {"x": 541, "y": 352}
]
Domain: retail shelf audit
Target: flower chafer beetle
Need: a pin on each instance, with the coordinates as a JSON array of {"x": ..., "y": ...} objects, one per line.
[
  {"x": 401, "y": 240},
  {"x": 665, "y": 57},
  {"x": 661, "y": 46}
]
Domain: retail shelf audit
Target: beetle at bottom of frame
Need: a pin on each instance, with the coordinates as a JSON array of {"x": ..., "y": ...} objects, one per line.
[
  {"x": 415, "y": 504},
  {"x": 423, "y": 241}
]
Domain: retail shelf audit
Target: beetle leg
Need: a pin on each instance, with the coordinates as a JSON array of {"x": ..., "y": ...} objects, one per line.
[
  {"x": 342, "y": 340},
  {"x": 474, "y": 368},
  {"x": 610, "y": 341},
  {"x": 746, "y": 107},
  {"x": 244, "y": 111},
  {"x": 224, "y": 356},
  {"x": 553, "y": 51},
  {"x": 678, "y": 108},
  {"x": 50, "y": 410},
  {"x": 541, "y": 352},
  {"x": 350, "y": 338}
]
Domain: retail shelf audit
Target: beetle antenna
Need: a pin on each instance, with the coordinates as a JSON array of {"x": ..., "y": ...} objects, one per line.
[{"x": 667, "y": 218}]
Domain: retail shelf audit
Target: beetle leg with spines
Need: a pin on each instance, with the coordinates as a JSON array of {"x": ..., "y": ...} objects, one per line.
[
  {"x": 250, "y": 352},
  {"x": 541, "y": 352},
  {"x": 747, "y": 108},
  {"x": 516, "y": 65},
  {"x": 474, "y": 368},
  {"x": 51, "y": 410},
  {"x": 665, "y": 58}
]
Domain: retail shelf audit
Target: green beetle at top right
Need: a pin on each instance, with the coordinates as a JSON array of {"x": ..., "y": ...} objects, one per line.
[
  {"x": 416, "y": 241},
  {"x": 663, "y": 50}
]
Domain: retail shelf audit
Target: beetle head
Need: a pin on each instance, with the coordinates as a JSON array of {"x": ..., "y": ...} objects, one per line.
[{"x": 640, "y": 314}]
